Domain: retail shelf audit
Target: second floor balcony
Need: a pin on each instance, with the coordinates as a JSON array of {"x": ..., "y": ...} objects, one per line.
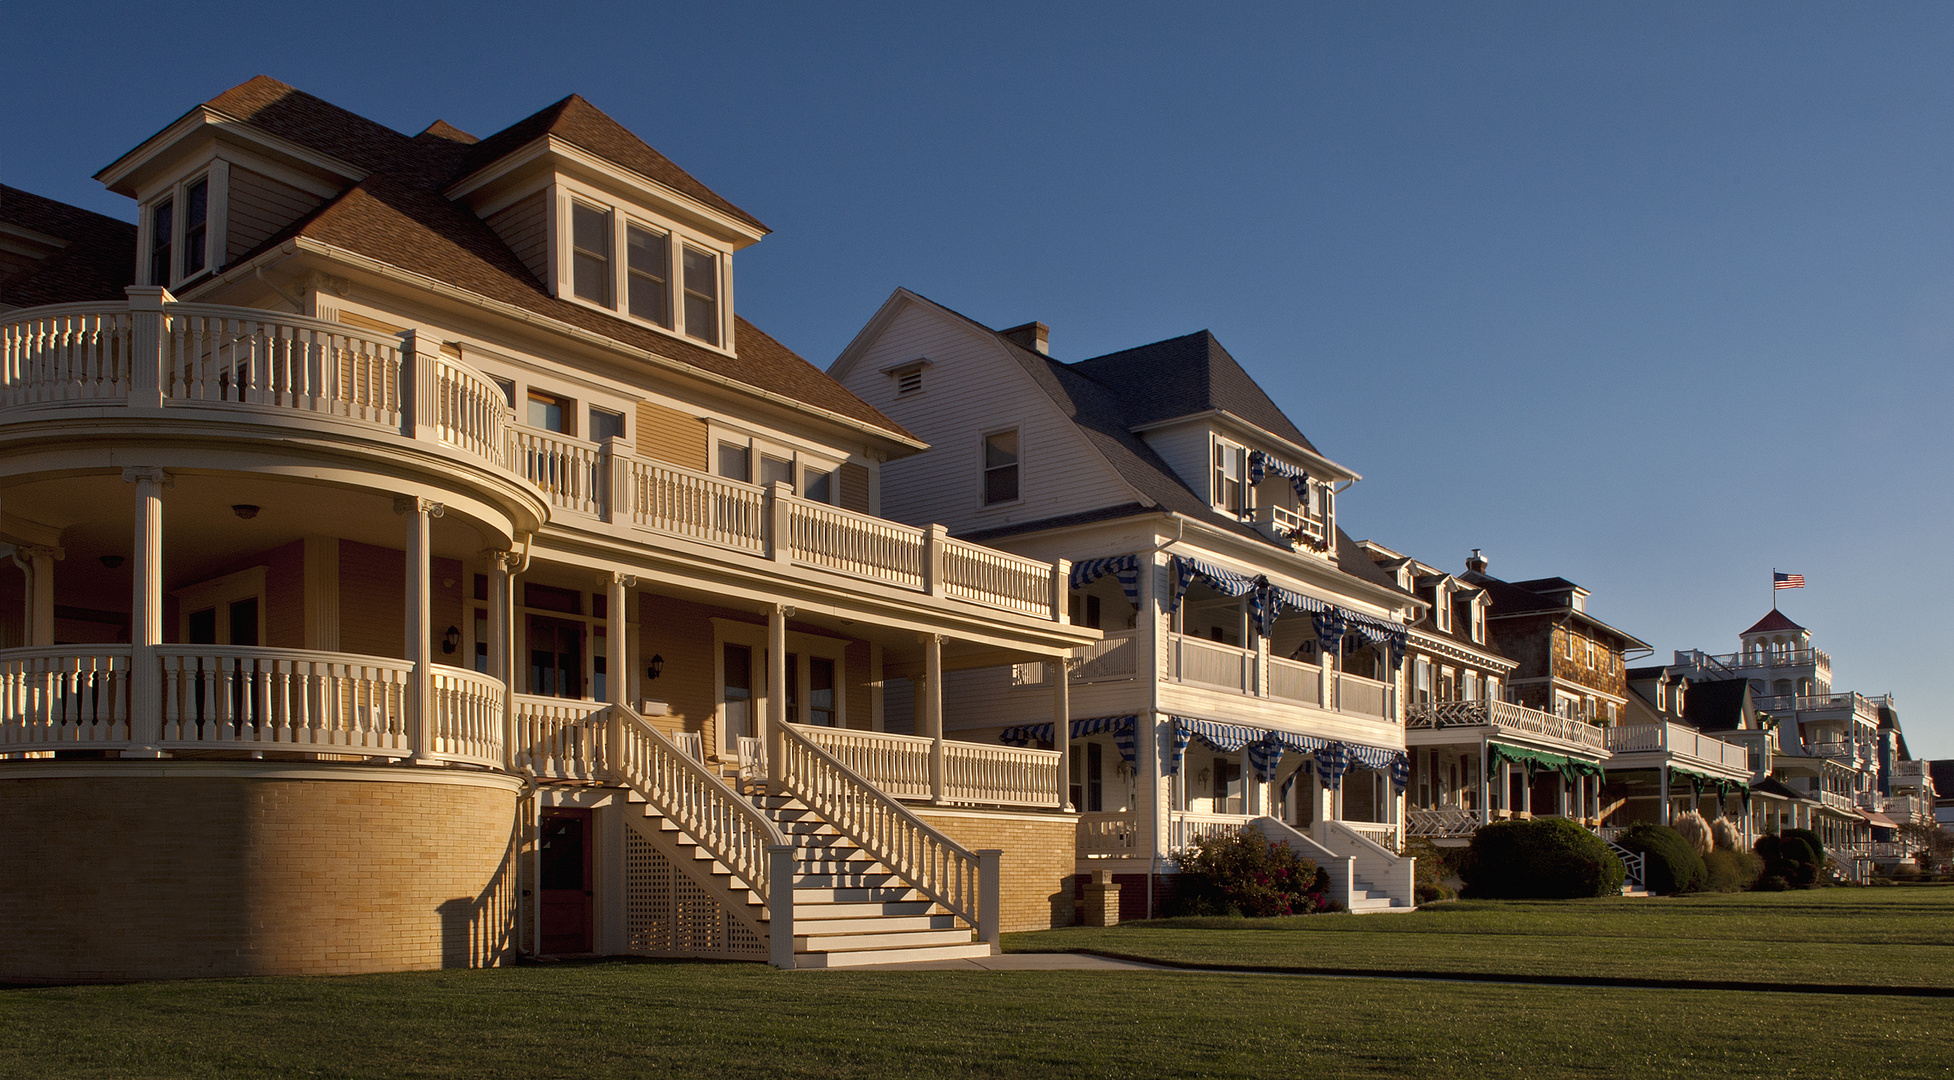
[
  {"x": 1219, "y": 666},
  {"x": 1497, "y": 716},
  {"x": 1682, "y": 745}
]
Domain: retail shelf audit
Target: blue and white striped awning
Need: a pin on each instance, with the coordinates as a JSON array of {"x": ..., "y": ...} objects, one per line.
[
  {"x": 1187, "y": 570},
  {"x": 1332, "y": 622},
  {"x": 1126, "y": 566},
  {"x": 1120, "y": 727},
  {"x": 1261, "y": 464}
]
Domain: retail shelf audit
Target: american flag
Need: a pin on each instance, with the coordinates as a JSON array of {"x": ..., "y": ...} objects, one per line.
[{"x": 1787, "y": 581}]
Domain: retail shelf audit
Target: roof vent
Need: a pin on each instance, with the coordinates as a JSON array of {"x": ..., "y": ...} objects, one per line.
[
  {"x": 1476, "y": 564},
  {"x": 1031, "y": 335}
]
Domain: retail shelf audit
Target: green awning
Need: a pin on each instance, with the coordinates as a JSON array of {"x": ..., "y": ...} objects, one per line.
[
  {"x": 1698, "y": 781},
  {"x": 1539, "y": 760}
]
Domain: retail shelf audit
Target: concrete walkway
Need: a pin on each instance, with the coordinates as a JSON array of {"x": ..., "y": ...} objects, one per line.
[{"x": 1018, "y": 962}]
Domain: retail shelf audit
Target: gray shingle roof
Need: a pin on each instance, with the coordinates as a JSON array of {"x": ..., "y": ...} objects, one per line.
[{"x": 1182, "y": 376}]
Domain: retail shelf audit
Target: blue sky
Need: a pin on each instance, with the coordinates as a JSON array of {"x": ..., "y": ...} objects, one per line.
[{"x": 1654, "y": 297}]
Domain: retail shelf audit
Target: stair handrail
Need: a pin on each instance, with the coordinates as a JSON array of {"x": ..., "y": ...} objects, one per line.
[
  {"x": 1634, "y": 864},
  {"x": 932, "y": 863},
  {"x": 717, "y": 818}
]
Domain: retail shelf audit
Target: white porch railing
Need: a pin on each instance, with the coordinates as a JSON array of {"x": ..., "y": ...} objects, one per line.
[
  {"x": 714, "y": 816},
  {"x": 997, "y": 579},
  {"x": 467, "y": 716},
  {"x": 858, "y": 544},
  {"x": 556, "y": 738},
  {"x": 1184, "y": 827},
  {"x": 973, "y": 773},
  {"x": 567, "y": 471},
  {"x": 1445, "y": 822},
  {"x": 1210, "y": 663},
  {"x": 1678, "y": 741},
  {"x": 1292, "y": 681},
  {"x": 1113, "y": 657},
  {"x": 470, "y": 412},
  {"x": 65, "y": 353},
  {"x": 935, "y": 865},
  {"x": 72, "y": 698},
  {"x": 680, "y": 502},
  {"x": 1356, "y": 694},
  {"x": 1506, "y": 716},
  {"x": 1109, "y": 835},
  {"x": 284, "y": 699}
]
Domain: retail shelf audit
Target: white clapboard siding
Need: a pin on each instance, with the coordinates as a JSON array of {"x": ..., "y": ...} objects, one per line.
[
  {"x": 1188, "y": 450},
  {"x": 973, "y": 386},
  {"x": 523, "y": 226},
  {"x": 259, "y": 206}
]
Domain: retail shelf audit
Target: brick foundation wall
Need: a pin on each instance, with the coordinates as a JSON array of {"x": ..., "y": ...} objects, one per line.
[
  {"x": 1040, "y": 854},
  {"x": 129, "y": 870}
]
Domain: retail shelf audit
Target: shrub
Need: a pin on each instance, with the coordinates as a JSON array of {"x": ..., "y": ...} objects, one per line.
[
  {"x": 1771, "y": 883},
  {"x": 1793, "y": 855},
  {"x": 1811, "y": 840},
  {"x": 1731, "y": 871},
  {"x": 1670, "y": 864},
  {"x": 1432, "y": 869},
  {"x": 1696, "y": 832},
  {"x": 1246, "y": 874},
  {"x": 1546, "y": 858}
]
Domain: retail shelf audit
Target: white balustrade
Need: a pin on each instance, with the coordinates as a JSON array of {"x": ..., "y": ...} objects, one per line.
[
  {"x": 1677, "y": 741},
  {"x": 69, "y": 352},
  {"x": 73, "y": 697},
  {"x": 1113, "y": 657},
  {"x": 467, "y": 716},
  {"x": 709, "y": 509},
  {"x": 1507, "y": 716},
  {"x": 997, "y": 578},
  {"x": 567, "y": 470},
  {"x": 980, "y": 773},
  {"x": 898, "y": 764},
  {"x": 869, "y": 547},
  {"x": 1293, "y": 681},
  {"x": 244, "y": 356},
  {"x": 1440, "y": 822},
  {"x": 935, "y": 865},
  {"x": 556, "y": 738},
  {"x": 470, "y": 412},
  {"x": 1210, "y": 663},
  {"x": 1356, "y": 694},
  {"x": 714, "y": 816},
  {"x": 1109, "y": 836},
  {"x": 287, "y": 699},
  {"x": 1185, "y": 827}
]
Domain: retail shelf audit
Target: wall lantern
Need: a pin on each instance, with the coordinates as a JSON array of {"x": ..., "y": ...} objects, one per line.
[
  {"x": 246, "y": 511},
  {"x": 450, "y": 640},
  {"x": 656, "y": 667}
]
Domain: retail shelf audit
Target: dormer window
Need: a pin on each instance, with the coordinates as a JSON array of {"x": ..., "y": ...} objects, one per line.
[
  {"x": 1478, "y": 616},
  {"x": 1230, "y": 471},
  {"x": 1442, "y": 609},
  {"x": 179, "y": 233},
  {"x": 590, "y": 259},
  {"x": 666, "y": 277},
  {"x": 702, "y": 295},
  {"x": 648, "y": 255}
]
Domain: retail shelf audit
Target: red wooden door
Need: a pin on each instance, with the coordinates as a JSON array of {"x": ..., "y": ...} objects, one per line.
[{"x": 566, "y": 872}]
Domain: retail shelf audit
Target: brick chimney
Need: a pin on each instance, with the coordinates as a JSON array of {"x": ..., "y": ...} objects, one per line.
[
  {"x": 1476, "y": 564},
  {"x": 1032, "y": 336}
]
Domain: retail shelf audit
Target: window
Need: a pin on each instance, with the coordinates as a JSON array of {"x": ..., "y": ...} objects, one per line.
[
  {"x": 1492, "y": 689},
  {"x": 821, "y": 691},
  {"x": 590, "y": 258},
  {"x": 1089, "y": 796},
  {"x": 736, "y": 462},
  {"x": 1568, "y": 638},
  {"x": 775, "y": 470},
  {"x": 648, "y": 256},
  {"x": 818, "y": 485},
  {"x": 1422, "y": 682},
  {"x": 738, "y": 683},
  {"x": 1442, "y": 609},
  {"x": 605, "y": 424},
  {"x": 1085, "y": 610},
  {"x": 1469, "y": 686},
  {"x": 1478, "y": 622},
  {"x": 545, "y": 412},
  {"x": 702, "y": 295},
  {"x": 1227, "y": 786},
  {"x": 162, "y": 222},
  {"x": 1001, "y": 468},
  {"x": 1228, "y": 471},
  {"x": 1447, "y": 685},
  {"x": 196, "y": 216}
]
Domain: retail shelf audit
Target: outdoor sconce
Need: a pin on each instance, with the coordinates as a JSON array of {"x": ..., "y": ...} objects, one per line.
[
  {"x": 112, "y": 561},
  {"x": 451, "y": 640},
  {"x": 245, "y": 511},
  {"x": 656, "y": 667}
]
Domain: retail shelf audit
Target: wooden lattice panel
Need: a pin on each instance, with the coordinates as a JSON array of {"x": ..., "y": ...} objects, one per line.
[{"x": 668, "y": 914}]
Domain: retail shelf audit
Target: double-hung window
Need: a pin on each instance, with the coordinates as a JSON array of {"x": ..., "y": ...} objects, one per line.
[
  {"x": 590, "y": 258},
  {"x": 1001, "y": 467},
  {"x": 648, "y": 255},
  {"x": 1229, "y": 469},
  {"x": 701, "y": 295},
  {"x": 179, "y": 234},
  {"x": 162, "y": 228}
]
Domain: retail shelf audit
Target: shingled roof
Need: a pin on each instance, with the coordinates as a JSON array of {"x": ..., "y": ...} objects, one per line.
[
  {"x": 397, "y": 215},
  {"x": 1774, "y": 621},
  {"x": 1183, "y": 376},
  {"x": 97, "y": 263}
]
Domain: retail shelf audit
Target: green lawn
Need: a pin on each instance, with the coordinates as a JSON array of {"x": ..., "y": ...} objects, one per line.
[
  {"x": 745, "y": 1020},
  {"x": 1872, "y": 937},
  {"x": 698, "y": 1020}
]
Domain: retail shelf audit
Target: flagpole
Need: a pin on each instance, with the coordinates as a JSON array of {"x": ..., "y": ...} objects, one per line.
[{"x": 1774, "y": 588}]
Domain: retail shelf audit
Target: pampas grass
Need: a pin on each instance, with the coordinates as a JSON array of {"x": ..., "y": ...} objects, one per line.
[
  {"x": 1696, "y": 831},
  {"x": 1725, "y": 835}
]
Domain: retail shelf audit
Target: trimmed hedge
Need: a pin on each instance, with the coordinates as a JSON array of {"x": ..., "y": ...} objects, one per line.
[
  {"x": 1246, "y": 873},
  {"x": 1793, "y": 857},
  {"x": 1542, "y": 859},
  {"x": 1670, "y": 864}
]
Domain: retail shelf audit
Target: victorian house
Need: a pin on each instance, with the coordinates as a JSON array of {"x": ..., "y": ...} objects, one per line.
[
  {"x": 422, "y": 562},
  {"x": 1251, "y": 672}
]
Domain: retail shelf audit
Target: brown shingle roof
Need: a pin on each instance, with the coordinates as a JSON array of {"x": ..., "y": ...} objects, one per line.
[
  {"x": 397, "y": 215},
  {"x": 577, "y": 121},
  {"x": 98, "y": 263}
]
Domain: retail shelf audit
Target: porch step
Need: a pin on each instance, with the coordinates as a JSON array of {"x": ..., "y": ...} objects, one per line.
[
  {"x": 973, "y": 951},
  {"x": 880, "y": 923},
  {"x": 805, "y": 908}
]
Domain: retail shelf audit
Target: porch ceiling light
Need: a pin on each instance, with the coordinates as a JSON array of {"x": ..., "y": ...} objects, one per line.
[
  {"x": 112, "y": 561},
  {"x": 656, "y": 667},
  {"x": 244, "y": 510}
]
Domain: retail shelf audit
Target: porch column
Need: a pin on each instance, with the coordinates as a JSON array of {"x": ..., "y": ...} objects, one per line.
[
  {"x": 1485, "y": 785},
  {"x": 616, "y": 677},
  {"x": 1526, "y": 794},
  {"x": 774, "y": 726},
  {"x": 38, "y": 561},
  {"x": 420, "y": 620},
  {"x": 933, "y": 713},
  {"x": 1662, "y": 781},
  {"x": 146, "y": 614},
  {"x": 501, "y": 642},
  {"x": 1061, "y": 667}
]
